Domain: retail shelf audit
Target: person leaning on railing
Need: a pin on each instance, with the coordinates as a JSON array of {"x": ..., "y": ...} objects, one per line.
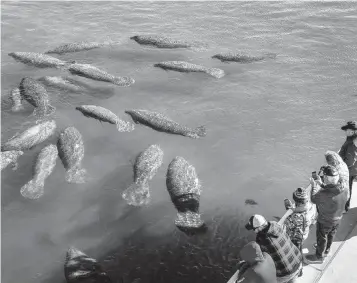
[
  {"x": 272, "y": 239},
  {"x": 303, "y": 216}
]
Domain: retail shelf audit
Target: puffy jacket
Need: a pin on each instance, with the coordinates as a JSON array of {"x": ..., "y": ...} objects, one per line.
[
  {"x": 336, "y": 160},
  {"x": 330, "y": 202},
  {"x": 259, "y": 267}
]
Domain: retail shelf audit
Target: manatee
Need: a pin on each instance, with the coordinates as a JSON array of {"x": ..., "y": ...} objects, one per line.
[
  {"x": 184, "y": 188},
  {"x": 76, "y": 47},
  {"x": 91, "y": 72},
  {"x": 241, "y": 58},
  {"x": 38, "y": 60},
  {"x": 146, "y": 165},
  {"x": 164, "y": 42},
  {"x": 250, "y": 201},
  {"x": 71, "y": 151},
  {"x": 80, "y": 268},
  {"x": 181, "y": 66},
  {"x": 35, "y": 93},
  {"x": 45, "y": 163},
  {"x": 31, "y": 137},
  {"x": 105, "y": 115},
  {"x": 63, "y": 83},
  {"x": 10, "y": 157},
  {"x": 161, "y": 123},
  {"x": 16, "y": 99}
]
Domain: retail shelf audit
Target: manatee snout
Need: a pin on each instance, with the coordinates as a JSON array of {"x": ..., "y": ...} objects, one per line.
[
  {"x": 135, "y": 37},
  {"x": 12, "y": 54},
  {"x": 215, "y": 56}
]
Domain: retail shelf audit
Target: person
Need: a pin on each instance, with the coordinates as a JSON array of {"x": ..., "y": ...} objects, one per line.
[
  {"x": 350, "y": 130},
  {"x": 272, "y": 239},
  {"x": 348, "y": 153},
  {"x": 335, "y": 160},
  {"x": 298, "y": 223},
  {"x": 330, "y": 199},
  {"x": 256, "y": 266}
]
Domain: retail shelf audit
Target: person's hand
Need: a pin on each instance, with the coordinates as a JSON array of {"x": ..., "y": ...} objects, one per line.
[
  {"x": 312, "y": 182},
  {"x": 318, "y": 180}
]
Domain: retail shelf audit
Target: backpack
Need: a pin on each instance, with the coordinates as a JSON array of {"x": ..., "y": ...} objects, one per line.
[{"x": 297, "y": 233}]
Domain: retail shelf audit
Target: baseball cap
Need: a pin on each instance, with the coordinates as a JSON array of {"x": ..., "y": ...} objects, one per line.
[{"x": 255, "y": 222}]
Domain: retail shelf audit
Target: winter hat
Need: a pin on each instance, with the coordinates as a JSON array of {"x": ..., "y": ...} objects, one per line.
[
  {"x": 300, "y": 195},
  {"x": 251, "y": 253},
  {"x": 350, "y": 125},
  {"x": 256, "y": 221}
]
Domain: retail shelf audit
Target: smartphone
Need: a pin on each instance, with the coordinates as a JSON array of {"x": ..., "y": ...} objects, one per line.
[{"x": 314, "y": 175}]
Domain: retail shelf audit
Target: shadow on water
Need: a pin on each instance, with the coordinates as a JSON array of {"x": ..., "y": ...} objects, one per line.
[{"x": 176, "y": 257}]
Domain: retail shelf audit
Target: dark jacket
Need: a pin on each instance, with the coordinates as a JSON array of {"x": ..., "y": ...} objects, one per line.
[
  {"x": 330, "y": 201},
  {"x": 258, "y": 267},
  {"x": 348, "y": 153},
  {"x": 286, "y": 256}
]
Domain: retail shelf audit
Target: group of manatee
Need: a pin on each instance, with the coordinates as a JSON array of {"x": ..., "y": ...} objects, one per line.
[{"x": 182, "y": 182}]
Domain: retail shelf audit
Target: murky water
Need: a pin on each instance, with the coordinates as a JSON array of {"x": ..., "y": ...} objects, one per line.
[{"x": 268, "y": 123}]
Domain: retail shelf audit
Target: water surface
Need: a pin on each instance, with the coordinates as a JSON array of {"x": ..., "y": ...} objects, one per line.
[{"x": 269, "y": 124}]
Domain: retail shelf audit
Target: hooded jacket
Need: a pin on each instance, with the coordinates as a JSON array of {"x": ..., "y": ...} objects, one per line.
[
  {"x": 286, "y": 256},
  {"x": 330, "y": 201},
  {"x": 259, "y": 267},
  {"x": 334, "y": 159}
]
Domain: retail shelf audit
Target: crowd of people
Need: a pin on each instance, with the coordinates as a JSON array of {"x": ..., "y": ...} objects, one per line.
[{"x": 276, "y": 255}]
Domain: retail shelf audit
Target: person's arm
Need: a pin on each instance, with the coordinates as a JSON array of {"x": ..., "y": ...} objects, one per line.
[
  {"x": 315, "y": 190},
  {"x": 342, "y": 151},
  {"x": 351, "y": 159}
]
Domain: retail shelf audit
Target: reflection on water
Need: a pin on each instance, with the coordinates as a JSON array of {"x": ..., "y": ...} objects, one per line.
[{"x": 268, "y": 125}]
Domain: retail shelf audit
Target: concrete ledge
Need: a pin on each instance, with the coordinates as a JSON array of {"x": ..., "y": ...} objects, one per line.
[{"x": 340, "y": 264}]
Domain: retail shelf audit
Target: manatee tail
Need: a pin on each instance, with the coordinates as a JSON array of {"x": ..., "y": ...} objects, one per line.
[
  {"x": 123, "y": 126},
  {"x": 270, "y": 55},
  {"x": 189, "y": 219},
  {"x": 137, "y": 194},
  {"x": 46, "y": 111},
  {"x": 215, "y": 72},
  {"x": 123, "y": 81},
  {"x": 32, "y": 190},
  {"x": 199, "y": 132},
  {"x": 50, "y": 109},
  {"x": 76, "y": 175}
]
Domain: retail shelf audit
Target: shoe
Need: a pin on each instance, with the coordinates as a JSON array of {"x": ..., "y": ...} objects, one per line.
[
  {"x": 326, "y": 252},
  {"x": 314, "y": 259}
]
